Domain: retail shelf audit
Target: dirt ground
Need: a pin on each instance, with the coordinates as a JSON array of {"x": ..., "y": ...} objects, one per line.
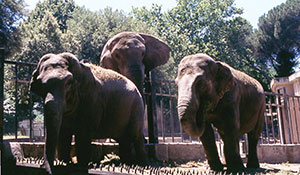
[
  {"x": 203, "y": 167},
  {"x": 266, "y": 168}
]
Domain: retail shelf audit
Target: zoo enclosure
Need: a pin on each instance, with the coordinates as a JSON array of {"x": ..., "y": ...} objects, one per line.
[{"x": 281, "y": 126}]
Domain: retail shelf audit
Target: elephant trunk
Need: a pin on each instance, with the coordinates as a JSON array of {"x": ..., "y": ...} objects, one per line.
[
  {"x": 188, "y": 112},
  {"x": 136, "y": 74},
  {"x": 53, "y": 117}
]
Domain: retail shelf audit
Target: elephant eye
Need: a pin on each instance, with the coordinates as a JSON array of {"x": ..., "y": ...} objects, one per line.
[{"x": 200, "y": 85}]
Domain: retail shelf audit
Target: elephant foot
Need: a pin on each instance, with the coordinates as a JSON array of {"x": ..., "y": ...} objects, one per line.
[
  {"x": 216, "y": 166},
  {"x": 126, "y": 160},
  {"x": 235, "y": 168},
  {"x": 78, "y": 169},
  {"x": 142, "y": 161},
  {"x": 46, "y": 167},
  {"x": 252, "y": 164},
  {"x": 252, "y": 161}
]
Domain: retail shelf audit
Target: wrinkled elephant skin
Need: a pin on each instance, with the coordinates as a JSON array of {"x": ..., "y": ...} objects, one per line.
[
  {"x": 134, "y": 54},
  {"x": 212, "y": 92},
  {"x": 89, "y": 102}
]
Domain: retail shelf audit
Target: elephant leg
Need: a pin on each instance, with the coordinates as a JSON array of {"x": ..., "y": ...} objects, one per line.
[
  {"x": 124, "y": 149},
  {"x": 139, "y": 146},
  {"x": 231, "y": 151},
  {"x": 64, "y": 145},
  {"x": 83, "y": 149},
  {"x": 209, "y": 144},
  {"x": 252, "y": 151}
]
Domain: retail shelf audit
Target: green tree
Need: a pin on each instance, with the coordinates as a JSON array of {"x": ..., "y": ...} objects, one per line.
[
  {"x": 42, "y": 31},
  {"x": 43, "y": 38},
  {"x": 11, "y": 12},
  {"x": 40, "y": 38},
  {"x": 88, "y": 31},
  {"x": 62, "y": 26},
  {"x": 213, "y": 27},
  {"x": 276, "y": 42},
  {"x": 61, "y": 9}
]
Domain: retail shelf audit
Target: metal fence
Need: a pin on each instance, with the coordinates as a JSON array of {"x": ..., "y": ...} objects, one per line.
[
  {"x": 18, "y": 100},
  {"x": 281, "y": 126},
  {"x": 22, "y": 109}
]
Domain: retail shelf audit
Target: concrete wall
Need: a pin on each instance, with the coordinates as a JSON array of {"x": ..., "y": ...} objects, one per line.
[
  {"x": 179, "y": 152},
  {"x": 279, "y": 153}
]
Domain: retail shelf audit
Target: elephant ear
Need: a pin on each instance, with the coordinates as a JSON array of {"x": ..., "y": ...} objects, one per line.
[
  {"x": 157, "y": 52},
  {"x": 106, "y": 59},
  {"x": 73, "y": 63},
  {"x": 224, "y": 79},
  {"x": 35, "y": 83}
]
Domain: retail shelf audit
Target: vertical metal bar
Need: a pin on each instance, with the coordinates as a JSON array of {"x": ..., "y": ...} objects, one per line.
[
  {"x": 287, "y": 102},
  {"x": 267, "y": 129},
  {"x": 171, "y": 112},
  {"x": 1, "y": 103},
  {"x": 151, "y": 134},
  {"x": 30, "y": 106},
  {"x": 272, "y": 120},
  {"x": 295, "y": 117},
  {"x": 292, "y": 111},
  {"x": 162, "y": 123},
  {"x": 149, "y": 109},
  {"x": 298, "y": 121},
  {"x": 279, "y": 115},
  {"x": 16, "y": 101}
]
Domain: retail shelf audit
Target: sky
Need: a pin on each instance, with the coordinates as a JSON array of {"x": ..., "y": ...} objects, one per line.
[{"x": 253, "y": 9}]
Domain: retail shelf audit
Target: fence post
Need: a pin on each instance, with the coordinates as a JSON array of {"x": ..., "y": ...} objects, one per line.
[
  {"x": 1, "y": 103},
  {"x": 30, "y": 107},
  {"x": 280, "y": 118},
  {"x": 152, "y": 132},
  {"x": 16, "y": 102},
  {"x": 286, "y": 119}
]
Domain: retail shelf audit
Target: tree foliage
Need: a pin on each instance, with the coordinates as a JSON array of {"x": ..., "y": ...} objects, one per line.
[
  {"x": 11, "y": 12},
  {"x": 211, "y": 27},
  {"x": 277, "y": 39},
  {"x": 89, "y": 31},
  {"x": 56, "y": 26}
]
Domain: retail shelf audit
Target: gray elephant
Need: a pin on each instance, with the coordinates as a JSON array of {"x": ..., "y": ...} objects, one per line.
[
  {"x": 212, "y": 92},
  {"x": 90, "y": 102},
  {"x": 134, "y": 54}
]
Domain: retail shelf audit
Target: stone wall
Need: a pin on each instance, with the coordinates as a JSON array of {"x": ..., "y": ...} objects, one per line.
[{"x": 179, "y": 152}]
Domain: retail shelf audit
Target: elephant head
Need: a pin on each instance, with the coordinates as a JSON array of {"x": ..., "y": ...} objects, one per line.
[
  {"x": 133, "y": 54},
  {"x": 201, "y": 82},
  {"x": 55, "y": 80}
]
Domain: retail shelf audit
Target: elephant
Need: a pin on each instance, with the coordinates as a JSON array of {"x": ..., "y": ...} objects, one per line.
[
  {"x": 213, "y": 93},
  {"x": 134, "y": 54},
  {"x": 89, "y": 102}
]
